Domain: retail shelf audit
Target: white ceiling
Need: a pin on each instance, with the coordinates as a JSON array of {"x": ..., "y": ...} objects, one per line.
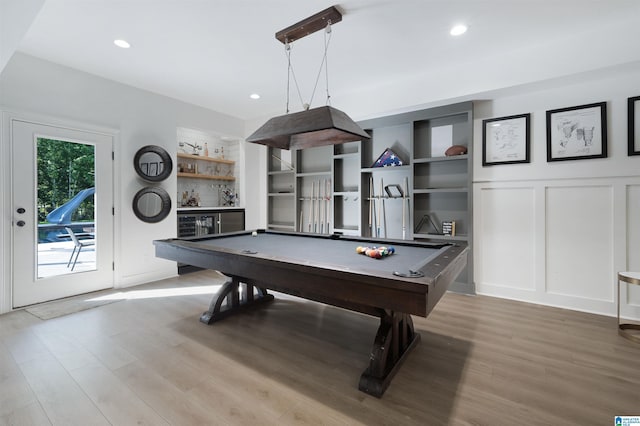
[{"x": 385, "y": 55}]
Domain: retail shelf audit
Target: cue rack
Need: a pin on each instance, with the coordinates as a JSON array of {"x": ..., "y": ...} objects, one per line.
[
  {"x": 319, "y": 208},
  {"x": 377, "y": 208}
]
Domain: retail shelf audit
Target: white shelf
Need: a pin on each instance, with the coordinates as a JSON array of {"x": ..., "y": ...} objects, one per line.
[
  {"x": 385, "y": 169},
  {"x": 437, "y": 190},
  {"x": 440, "y": 159}
]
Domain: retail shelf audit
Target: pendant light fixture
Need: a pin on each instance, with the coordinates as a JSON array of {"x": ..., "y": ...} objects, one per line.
[{"x": 309, "y": 128}]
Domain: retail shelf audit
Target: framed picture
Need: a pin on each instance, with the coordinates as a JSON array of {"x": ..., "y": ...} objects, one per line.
[
  {"x": 634, "y": 125},
  {"x": 505, "y": 140},
  {"x": 577, "y": 133}
]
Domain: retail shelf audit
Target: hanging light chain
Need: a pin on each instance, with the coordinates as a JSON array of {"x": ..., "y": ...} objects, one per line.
[
  {"x": 291, "y": 72},
  {"x": 327, "y": 39},
  {"x": 324, "y": 63},
  {"x": 326, "y": 60}
]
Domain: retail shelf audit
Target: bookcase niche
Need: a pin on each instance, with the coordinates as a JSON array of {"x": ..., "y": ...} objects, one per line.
[{"x": 422, "y": 194}]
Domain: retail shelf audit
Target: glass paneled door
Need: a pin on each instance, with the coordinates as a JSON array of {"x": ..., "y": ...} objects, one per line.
[{"x": 62, "y": 212}]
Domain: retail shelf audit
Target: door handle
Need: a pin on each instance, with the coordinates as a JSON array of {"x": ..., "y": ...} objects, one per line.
[
  {"x": 21, "y": 210},
  {"x": 21, "y": 223}
]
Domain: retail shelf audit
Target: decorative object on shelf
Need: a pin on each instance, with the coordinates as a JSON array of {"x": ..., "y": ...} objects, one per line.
[
  {"x": 577, "y": 133},
  {"x": 152, "y": 204},
  {"x": 441, "y": 140},
  {"x": 195, "y": 148},
  {"x": 388, "y": 159},
  {"x": 228, "y": 196},
  {"x": 426, "y": 219},
  {"x": 449, "y": 228},
  {"x": 311, "y": 127},
  {"x": 206, "y": 150},
  {"x": 153, "y": 163},
  {"x": 505, "y": 140},
  {"x": 633, "y": 123},
  {"x": 398, "y": 193},
  {"x": 190, "y": 199},
  {"x": 454, "y": 150}
]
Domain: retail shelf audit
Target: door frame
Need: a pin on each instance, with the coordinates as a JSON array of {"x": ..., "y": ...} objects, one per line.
[{"x": 6, "y": 183}]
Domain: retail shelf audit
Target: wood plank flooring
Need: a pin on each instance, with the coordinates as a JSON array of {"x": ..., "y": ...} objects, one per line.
[{"x": 149, "y": 361}]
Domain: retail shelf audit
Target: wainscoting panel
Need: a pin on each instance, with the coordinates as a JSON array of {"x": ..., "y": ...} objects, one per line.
[
  {"x": 506, "y": 251},
  {"x": 579, "y": 235},
  {"x": 559, "y": 242},
  {"x": 633, "y": 242}
]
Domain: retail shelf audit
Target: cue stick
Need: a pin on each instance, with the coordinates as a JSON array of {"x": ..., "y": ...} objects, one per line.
[
  {"x": 313, "y": 197},
  {"x": 328, "y": 202},
  {"x": 378, "y": 216},
  {"x": 317, "y": 222},
  {"x": 315, "y": 212},
  {"x": 321, "y": 202},
  {"x": 372, "y": 204},
  {"x": 384, "y": 210},
  {"x": 301, "y": 221},
  {"x": 311, "y": 207},
  {"x": 370, "y": 209},
  {"x": 405, "y": 197}
]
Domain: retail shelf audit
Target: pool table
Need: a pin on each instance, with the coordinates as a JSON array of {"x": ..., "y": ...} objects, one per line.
[{"x": 327, "y": 269}]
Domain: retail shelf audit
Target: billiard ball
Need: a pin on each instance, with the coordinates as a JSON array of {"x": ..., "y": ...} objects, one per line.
[{"x": 254, "y": 234}]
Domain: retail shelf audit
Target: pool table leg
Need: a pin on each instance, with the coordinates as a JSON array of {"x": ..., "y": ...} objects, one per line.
[
  {"x": 235, "y": 300},
  {"x": 394, "y": 340}
]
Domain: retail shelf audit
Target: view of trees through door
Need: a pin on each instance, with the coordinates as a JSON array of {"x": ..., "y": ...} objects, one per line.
[{"x": 65, "y": 206}]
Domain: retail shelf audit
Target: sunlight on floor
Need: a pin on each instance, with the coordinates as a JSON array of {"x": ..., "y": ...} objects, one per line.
[{"x": 158, "y": 292}]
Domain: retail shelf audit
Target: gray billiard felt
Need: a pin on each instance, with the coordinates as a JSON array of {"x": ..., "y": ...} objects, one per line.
[{"x": 339, "y": 253}]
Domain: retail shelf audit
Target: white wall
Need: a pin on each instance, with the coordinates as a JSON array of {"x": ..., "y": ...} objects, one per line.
[
  {"x": 557, "y": 233},
  {"x": 15, "y": 19},
  {"x": 33, "y": 86},
  {"x": 256, "y": 179}
]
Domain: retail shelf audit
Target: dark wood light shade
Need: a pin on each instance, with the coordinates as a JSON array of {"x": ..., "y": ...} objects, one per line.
[
  {"x": 315, "y": 127},
  {"x": 312, "y": 127}
]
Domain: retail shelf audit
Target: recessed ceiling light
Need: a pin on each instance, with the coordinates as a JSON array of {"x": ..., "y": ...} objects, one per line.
[
  {"x": 122, "y": 43},
  {"x": 457, "y": 30},
  {"x": 254, "y": 96}
]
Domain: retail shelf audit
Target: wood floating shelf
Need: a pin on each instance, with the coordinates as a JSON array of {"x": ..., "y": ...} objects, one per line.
[
  {"x": 200, "y": 176},
  {"x": 203, "y": 158}
]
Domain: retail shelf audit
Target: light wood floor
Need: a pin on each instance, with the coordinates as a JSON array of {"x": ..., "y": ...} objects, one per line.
[{"x": 481, "y": 361}]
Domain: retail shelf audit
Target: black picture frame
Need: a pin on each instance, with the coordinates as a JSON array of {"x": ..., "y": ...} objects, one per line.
[
  {"x": 506, "y": 140},
  {"x": 577, "y": 133},
  {"x": 633, "y": 123}
]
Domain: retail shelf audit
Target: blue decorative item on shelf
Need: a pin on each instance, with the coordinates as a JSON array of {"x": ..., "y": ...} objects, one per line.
[{"x": 388, "y": 159}]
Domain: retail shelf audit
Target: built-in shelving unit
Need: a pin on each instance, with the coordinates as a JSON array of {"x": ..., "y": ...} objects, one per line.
[
  {"x": 439, "y": 186},
  {"x": 207, "y": 176},
  {"x": 346, "y": 188},
  {"x": 408, "y": 201},
  {"x": 281, "y": 190}
]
